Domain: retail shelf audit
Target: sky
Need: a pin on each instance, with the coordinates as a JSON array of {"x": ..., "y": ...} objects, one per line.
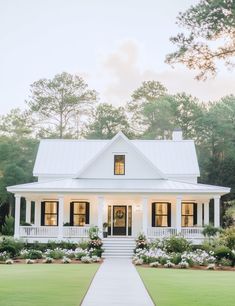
[{"x": 114, "y": 45}]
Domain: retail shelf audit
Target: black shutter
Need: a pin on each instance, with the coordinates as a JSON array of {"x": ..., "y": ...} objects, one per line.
[
  {"x": 42, "y": 213},
  {"x": 194, "y": 213},
  {"x": 153, "y": 214},
  {"x": 57, "y": 217},
  {"x": 87, "y": 213},
  {"x": 71, "y": 213},
  {"x": 169, "y": 214}
]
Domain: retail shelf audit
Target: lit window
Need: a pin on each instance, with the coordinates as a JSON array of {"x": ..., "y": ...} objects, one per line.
[
  {"x": 188, "y": 214},
  {"x": 119, "y": 164},
  {"x": 49, "y": 213},
  {"x": 161, "y": 214},
  {"x": 79, "y": 213}
]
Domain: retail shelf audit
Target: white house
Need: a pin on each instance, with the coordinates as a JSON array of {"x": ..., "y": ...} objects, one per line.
[{"x": 136, "y": 186}]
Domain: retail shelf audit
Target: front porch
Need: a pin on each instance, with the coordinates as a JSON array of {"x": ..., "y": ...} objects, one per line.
[{"x": 69, "y": 217}]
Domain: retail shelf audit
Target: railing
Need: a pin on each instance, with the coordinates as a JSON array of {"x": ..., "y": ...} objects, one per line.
[
  {"x": 186, "y": 232},
  {"x": 75, "y": 231},
  {"x": 52, "y": 231},
  {"x": 38, "y": 231},
  {"x": 157, "y": 232},
  {"x": 192, "y": 232}
]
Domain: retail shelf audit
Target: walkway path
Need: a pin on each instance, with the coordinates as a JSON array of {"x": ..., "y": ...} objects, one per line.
[{"x": 117, "y": 283}]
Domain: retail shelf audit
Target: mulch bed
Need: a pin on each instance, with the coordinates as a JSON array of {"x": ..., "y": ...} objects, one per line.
[{"x": 217, "y": 268}]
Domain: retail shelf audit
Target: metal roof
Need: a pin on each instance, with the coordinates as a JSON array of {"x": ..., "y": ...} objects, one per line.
[
  {"x": 69, "y": 157},
  {"x": 115, "y": 185}
]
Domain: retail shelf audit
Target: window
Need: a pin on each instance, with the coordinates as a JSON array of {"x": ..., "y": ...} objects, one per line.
[
  {"x": 49, "y": 213},
  {"x": 161, "y": 214},
  {"x": 119, "y": 164},
  {"x": 79, "y": 213},
  {"x": 189, "y": 214}
]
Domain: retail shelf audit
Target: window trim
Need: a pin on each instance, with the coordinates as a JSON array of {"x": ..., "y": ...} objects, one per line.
[
  {"x": 114, "y": 162},
  {"x": 168, "y": 213},
  {"x": 87, "y": 212},
  {"x": 194, "y": 215},
  {"x": 43, "y": 213}
]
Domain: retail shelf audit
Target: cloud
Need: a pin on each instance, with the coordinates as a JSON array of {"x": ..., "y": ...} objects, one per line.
[{"x": 124, "y": 72}]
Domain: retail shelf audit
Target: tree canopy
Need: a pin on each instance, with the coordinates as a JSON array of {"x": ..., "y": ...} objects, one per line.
[{"x": 209, "y": 37}]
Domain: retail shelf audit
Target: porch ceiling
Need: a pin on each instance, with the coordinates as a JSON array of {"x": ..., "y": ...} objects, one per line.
[{"x": 118, "y": 186}]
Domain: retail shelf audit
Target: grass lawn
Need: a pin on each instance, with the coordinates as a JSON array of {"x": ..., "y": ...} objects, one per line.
[
  {"x": 44, "y": 284},
  {"x": 171, "y": 287}
]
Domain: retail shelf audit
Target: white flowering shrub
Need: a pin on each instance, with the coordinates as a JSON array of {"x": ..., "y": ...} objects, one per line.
[
  {"x": 155, "y": 264},
  {"x": 24, "y": 254},
  {"x": 183, "y": 264},
  {"x": 48, "y": 260},
  {"x": 95, "y": 259},
  {"x": 169, "y": 264},
  {"x": 4, "y": 256},
  {"x": 66, "y": 260},
  {"x": 211, "y": 266},
  {"x": 86, "y": 259},
  {"x": 138, "y": 261},
  {"x": 9, "y": 262},
  {"x": 152, "y": 255},
  {"x": 199, "y": 257},
  {"x": 29, "y": 261}
]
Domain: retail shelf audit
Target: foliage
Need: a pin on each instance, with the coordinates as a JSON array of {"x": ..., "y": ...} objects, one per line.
[
  {"x": 11, "y": 246},
  {"x": 141, "y": 242},
  {"x": 34, "y": 254},
  {"x": 48, "y": 260},
  {"x": 66, "y": 260},
  {"x": 93, "y": 232},
  {"x": 210, "y": 231},
  {"x": 55, "y": 253},
  {"x": 222, "y": 252},
  {"x": 176, "y": 244},
  {"x": 59, "y": 103},
  {"x": 206, "y": 22},
  {"x": 107, "y": 121},
  {"x": 8, "y": 226},
  {"x": 4, "y": 256},
  {"x": 227, "y": 237}
]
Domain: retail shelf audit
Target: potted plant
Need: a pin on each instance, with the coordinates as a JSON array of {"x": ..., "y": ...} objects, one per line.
[{"x": 105, "y": 229}]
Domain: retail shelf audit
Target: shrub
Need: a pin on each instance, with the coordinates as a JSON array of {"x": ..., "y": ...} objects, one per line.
[
  {"x": 227, "y": 237},
  {"x": 48, "y": 260},
  {"x": 8, "y": 226},
  {"x": 222, "y": 252},
  {"x": 211, "y": 267},
  {"x": 225, "y": 262},
  {"x": 176, "y": 244},
  {"x": 11, "y": 246},
  {"x": 55, "y": 253},
  {"x": 93, "y": 232},
  {"x": 29, "y": 261},
  {"x": 155, "y": 264},
  {"x": 4, "y": 256},
  {"x": 86, "y": 259},
  {"x": 95, "y": 244},
  {"x": 66, "y": 260},
  {"x": 210, "y": 231},
  {"x": 34, "y": 254},
  {"x": 138, "y": 261},
  {"x": 183, "y": 264},
  {"x": 176, "y": 258},
  {"x": 95, "y": 258},
  {"x": 96, "y": 252},
  {"x": 9, "y": 262},
  {"x": 80, "y": 253},
  {"x": 142, "y": 242},
  {"x": 83, "y": 244},
  {"x": 169, "y": 264}
]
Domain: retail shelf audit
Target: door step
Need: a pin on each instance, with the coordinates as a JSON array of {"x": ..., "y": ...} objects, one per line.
[{"x": 118, "y": 247}]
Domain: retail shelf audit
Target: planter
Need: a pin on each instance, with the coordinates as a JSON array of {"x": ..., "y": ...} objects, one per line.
[{"x": 105, "y": 234}]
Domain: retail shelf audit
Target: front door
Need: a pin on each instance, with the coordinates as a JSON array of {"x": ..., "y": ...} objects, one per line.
[{"x": 119, "y": 220}]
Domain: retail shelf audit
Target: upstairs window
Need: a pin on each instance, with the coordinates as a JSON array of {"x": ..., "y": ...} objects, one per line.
[{"x": 119, "y": 164}]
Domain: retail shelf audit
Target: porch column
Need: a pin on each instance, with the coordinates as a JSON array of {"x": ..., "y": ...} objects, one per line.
[
  {"x": 61, "y": 217},
  {"x": 216, "y": 211},
  {"x": 178, "y": 213},
  {"x": 37, "y": 213},
  {"x": 145, "y": 215},
  {"x": 206, "y": 213},
  {"x": 17, "y": 216},
  {"x": 28, "y": 211},
  {"x": 100, "y": 214},
  {"x": 199, "y": 214}
]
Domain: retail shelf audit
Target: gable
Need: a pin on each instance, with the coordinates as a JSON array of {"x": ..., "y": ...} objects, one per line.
[{"x": 137, "y": 166}]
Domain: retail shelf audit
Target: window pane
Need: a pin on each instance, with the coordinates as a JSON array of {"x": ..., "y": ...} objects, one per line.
[
  {"x": 50, "y": 207},
  {"x": 187, "y": 221},
  {"x": 161, "y": 221},
  {"x": 50, "y": 220},
  {"x": 187, "y": 209},
  {"x": 79, "y": 208},
  {"x": 161, "y": 209},
  {"x": 119, "y": 164},
  {"x": 79, "y": 220}
]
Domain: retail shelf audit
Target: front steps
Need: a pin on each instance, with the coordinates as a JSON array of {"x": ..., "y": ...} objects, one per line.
[{"x": 120, "y": 247}]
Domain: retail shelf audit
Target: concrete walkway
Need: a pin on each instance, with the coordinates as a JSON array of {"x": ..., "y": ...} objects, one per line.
[{"x": 117, "y": 283}]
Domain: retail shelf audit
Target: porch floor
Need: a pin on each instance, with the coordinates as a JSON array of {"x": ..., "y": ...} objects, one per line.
[{"x": 117, "y": 283}]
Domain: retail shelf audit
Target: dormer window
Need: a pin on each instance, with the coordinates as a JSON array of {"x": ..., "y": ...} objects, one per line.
[{"x": 119, "y": 164}]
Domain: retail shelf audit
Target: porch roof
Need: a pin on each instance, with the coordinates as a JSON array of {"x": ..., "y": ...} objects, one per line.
[{"x": 118, "y": 186}]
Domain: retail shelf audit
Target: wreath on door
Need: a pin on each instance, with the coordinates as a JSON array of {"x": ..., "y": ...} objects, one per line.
[{"x": 119, "y": 214}]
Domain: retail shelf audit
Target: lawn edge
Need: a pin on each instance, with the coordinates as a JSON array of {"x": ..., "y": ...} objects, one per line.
[{"x": 144, "y": 285}]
